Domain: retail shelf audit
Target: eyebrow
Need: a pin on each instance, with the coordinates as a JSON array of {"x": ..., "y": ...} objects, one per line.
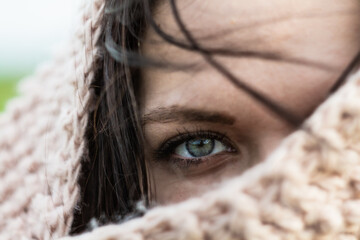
[{"x": 182, "y": 115}]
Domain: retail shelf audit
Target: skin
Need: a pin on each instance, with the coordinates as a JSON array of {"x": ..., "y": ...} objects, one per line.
[{"x": 321, "y": 31}]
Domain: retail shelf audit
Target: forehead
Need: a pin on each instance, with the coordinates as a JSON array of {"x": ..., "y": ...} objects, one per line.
[
  {"x": 321, "y": 31},
  {"x": 259, "y": 24}
]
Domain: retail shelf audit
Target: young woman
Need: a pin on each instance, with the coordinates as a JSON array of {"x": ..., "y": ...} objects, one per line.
[{"x": 190, "y": 93}]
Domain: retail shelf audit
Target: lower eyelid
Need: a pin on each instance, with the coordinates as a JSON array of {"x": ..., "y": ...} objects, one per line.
[{"x": 190, "y": 166}]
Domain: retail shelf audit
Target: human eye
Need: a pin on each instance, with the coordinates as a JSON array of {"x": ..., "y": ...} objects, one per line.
[
  {"x": 196, "y": 149},
  {"x": 200, "y": 147}
]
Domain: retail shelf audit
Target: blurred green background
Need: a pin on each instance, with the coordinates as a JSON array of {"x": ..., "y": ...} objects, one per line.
[
  {"x": 7, "y": 88},
  {"x": 27, "y": 40}
]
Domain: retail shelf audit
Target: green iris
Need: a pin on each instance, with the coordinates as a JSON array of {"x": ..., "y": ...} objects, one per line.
[{"x": 200, "y": 147}]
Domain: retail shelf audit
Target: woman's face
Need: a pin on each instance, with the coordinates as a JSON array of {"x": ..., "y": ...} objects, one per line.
[{"x": 199, "y": 128}]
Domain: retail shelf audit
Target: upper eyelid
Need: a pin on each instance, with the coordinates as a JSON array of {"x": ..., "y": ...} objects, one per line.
[{"x": 190, "y": 135}]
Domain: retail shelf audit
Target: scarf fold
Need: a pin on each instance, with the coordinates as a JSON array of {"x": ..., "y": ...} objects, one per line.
[{"x": 309, "y": 188}]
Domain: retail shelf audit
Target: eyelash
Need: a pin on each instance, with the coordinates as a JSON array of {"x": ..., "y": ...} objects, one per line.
[{"x": 167, "y": 148}]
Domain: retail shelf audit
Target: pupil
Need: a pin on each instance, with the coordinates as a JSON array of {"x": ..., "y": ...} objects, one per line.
[{"x": 200, "y": 147}]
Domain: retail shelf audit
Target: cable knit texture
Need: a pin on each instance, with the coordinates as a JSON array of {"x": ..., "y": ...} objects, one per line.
[
  {"x": 309, "y": 188},
  {"x": 42, "y": 140}
]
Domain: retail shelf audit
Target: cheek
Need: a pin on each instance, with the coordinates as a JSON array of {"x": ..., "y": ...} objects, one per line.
[
  {"x": 173, "y": 188},
  {"x": 174, "y": 192},
  {"x": 172, "y": 184}
]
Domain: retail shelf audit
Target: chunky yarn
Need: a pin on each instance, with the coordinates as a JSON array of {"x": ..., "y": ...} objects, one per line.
[
  {"x": 42, "y": 140},
  {"x": 309, "y": 188}
]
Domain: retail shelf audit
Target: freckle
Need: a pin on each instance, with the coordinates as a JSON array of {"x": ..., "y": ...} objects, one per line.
[{"x": 233, "y": 21}]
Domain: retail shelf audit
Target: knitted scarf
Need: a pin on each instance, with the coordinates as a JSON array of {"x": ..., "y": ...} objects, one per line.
[{"x": 309, "y": 188}]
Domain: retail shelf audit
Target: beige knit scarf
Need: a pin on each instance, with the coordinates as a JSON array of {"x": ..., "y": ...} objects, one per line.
[{"x": 309, "y": 188}]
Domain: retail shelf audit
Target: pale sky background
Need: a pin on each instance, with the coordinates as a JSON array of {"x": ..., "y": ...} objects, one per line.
[{"x": 30, "y": 30}]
